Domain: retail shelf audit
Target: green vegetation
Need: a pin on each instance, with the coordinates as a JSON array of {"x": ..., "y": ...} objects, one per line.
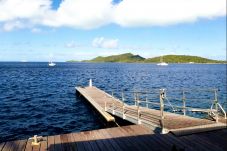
[
  {"x": 130, "y": 58},
  {"x": 182, "y": 59},
  {"x": 127, "y": 57},
  {"x": 72, "y": 61}
]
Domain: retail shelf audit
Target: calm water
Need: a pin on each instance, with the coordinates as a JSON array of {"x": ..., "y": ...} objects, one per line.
[{"x": 36, "y": 99}]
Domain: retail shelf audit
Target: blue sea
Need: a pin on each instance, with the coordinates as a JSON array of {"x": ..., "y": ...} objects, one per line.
[{"x": 37, "y": 99}]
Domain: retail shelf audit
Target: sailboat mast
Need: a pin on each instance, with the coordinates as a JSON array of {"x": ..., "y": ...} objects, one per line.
[{"x": 161, "y": 59}]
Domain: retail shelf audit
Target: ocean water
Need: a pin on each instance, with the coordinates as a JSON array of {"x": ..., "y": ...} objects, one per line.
[{"x": 37, "y": 99}]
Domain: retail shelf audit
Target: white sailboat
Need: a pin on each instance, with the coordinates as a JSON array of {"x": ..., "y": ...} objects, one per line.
[
  {"x": 162, "y": 63},
  {"x": 51, "y": 64}
]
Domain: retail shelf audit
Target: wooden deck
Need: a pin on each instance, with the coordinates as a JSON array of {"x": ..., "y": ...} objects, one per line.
[
  {"x": 151, "y": 118},
  {"x": 133, "y": 137}
]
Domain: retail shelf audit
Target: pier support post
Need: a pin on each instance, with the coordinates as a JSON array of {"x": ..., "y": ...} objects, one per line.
[
  {"x": 184, "y": 103},
  {"x": 138, "y": 112},
  {"x": 162, "y": 96},
  {"x": 146, "y": 99},
  {"x": 216, "y": 104},
  {"x": 90, "y": 83},
  {"x": 124, "y": 110},
  {"x": 105, "y": 106},
  {"x": 135, "y": 97},
  {"x": 113, "y": 111}
]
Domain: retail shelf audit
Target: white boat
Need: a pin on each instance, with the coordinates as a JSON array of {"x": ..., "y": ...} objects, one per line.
[
  {"x": 51, "y": 64},
  {"x": 162, "y": 63}
]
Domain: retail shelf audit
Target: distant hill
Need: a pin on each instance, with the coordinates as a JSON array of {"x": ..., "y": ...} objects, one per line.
[
  {"x": 127, "y": 57},
  {"x": 130, "y": 58},
  {"x": 182, "y": 59}
]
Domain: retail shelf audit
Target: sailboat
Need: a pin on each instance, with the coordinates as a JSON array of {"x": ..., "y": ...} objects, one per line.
[
  {"x": 51, "y": 64},
  {"x": 162, "y": 63}
]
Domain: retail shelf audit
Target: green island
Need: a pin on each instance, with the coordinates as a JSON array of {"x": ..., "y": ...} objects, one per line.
[{"x": 131, "y": 58}]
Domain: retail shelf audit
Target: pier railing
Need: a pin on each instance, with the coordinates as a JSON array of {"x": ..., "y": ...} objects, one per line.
[{"x": 184, "y": 101}]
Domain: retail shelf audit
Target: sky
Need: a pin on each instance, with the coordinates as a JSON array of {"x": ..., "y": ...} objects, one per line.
[{"x": 61, "y": 30}]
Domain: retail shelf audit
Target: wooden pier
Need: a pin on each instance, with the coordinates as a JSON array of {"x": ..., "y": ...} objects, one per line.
[
  {"x": 153, "y": 130},
  {"x": 109, "y": 106},
  {"x": 133, "y": 138}
]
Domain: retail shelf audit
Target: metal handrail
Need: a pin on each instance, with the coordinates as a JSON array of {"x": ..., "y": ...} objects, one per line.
[
  {"x": 163, "y": 101},
  {"x": 156, "y": 91},
  {"x": 222, "y": 110}
]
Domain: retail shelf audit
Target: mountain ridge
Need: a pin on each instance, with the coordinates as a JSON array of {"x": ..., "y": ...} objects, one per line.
[{"x": 131, "y": 58}]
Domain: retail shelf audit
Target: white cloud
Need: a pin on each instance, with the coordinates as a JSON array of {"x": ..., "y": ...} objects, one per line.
[
  {"x": 71, "y": 44},
  {"x": 101, "y": 42},
  {"x": 81, "y": 14},
  {"x": 165, "y": 12},
  {"x": 23, "y": 9},
  {"x": 36, "y": 30},
  {"x": 11, "y": 25},
  {"x": 87, "y": 14}
]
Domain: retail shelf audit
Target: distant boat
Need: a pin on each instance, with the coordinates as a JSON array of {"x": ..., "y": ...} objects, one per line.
[
  {"x": 23, "y": 61},
  {"x": 51, "y": 64},
  {"x": 162, "y": 63}
]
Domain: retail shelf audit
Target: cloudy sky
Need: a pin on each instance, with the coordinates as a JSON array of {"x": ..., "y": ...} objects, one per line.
[{"x": 35, "y": 30}]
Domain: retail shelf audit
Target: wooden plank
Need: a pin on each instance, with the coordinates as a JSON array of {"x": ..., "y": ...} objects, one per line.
[
  {"x": 21, "y": 145},
  {"x": 67, "y": 142},
  {"x": 36, "y": 148},
  {"x": 99, "y": 142},
  {"x": 111, "y": 140},
  {"x": 2, "y": 145},
  {"x": 132, "y": 137},
  {"x": 149, "y": 117},
  {"x": 7, "y": 146},
  {"x": 102, "y": 142},
  {"x": 214, "y": 138},
  {"x": 196, "y": 145},
  {"x": 50, "y": 143},
  {"x": 136, "y": 139},
  {"x": 79, "y": 141},
  {"x": 124, "y": 140},
  {"x": 106, "y": 115},
  {"x": 116, "y": 135},
  {"x": 206, "y": 142},
  {"x": 89, "y": 136},
  {"x": 28, "y": 146},
  {"x": 57, "y": 143},
  {"x": 87, "y": 141},
  {"x": 175, "y": 143},
  {"x": 43, "y": 144},
  {"x": 159, "y": 143}
]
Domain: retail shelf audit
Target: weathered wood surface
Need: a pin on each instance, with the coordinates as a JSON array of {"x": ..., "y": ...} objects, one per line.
[
  {"x": 95, "y": 103},
  {"x": 148, "y": 117},
  {"x": 133, "y": 137}
]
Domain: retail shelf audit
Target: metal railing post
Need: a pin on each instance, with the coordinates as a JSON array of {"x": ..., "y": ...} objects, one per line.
[
  {"x": 162, "y": 95},
  {"x": 216, "y": 104},
  {"x": 123, "y": 110},
  {"x": 105, "y": 106},
  {"x": 112, "y": 93},
  {"x": 138, "y": 112},
  {"x": 113, "y": 109},
  {"x": 122, "y": 96},
  {"x": 146, "y": 99},
  {"x": 135, "y": 97},
  {"x": 123, "y": 107},
  {"x": 184, "y": 103}
]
